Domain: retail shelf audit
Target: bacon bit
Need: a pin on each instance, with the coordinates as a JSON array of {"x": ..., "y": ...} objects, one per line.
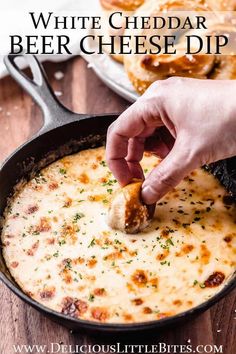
[
  {"x": 50, "y": 241},
  {"x": 137, "y": 302},
  {"x": 139, "y": 278},
  {"x": 189, "y": 302},
  {"x": 177, "y": 302},
  {"x": 32, "y": 209},
  {"x": 52, "y": 186},
  {"x": 83, "y": 178},
  {"x": 14, "y": 264},
  {"x": 214, "y": 280},
  {"x": 147, "y": 310},
  {"x": 205, "y": 254},
  {"x": 114, "y": 256},
  {"x": 100, "y": 314},
  {"x": 48, "y": 293},
  {"x": 33, "y": 249},
  {"x": 91, "y": 263},
  {"x": 99, "y": 292},
  {"x": 67, "y": 203},
  {"x": 44, "y": 225},
  {"x": 162, "y": 255},
  {"x": 73, "y": 307},
  {"x": 128, "y": 317}
]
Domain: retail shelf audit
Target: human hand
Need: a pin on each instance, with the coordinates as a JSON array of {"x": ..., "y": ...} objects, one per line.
[{"x": 187, "y": 122}]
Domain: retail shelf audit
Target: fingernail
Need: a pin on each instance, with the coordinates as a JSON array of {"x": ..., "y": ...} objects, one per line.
[{"x": 148, "y": 196}]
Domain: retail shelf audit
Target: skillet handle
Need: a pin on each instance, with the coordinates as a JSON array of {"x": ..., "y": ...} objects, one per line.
[{"x": 55, "y": 114}]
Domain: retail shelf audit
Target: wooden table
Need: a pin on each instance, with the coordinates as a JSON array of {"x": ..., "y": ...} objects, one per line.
[{"x": 83, "y": 92}]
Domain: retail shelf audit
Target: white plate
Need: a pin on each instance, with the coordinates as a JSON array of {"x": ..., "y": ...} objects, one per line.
[{"x": 112, "y": 74}]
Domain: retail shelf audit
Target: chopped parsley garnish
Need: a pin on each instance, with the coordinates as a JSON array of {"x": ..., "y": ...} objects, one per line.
[
  {"x": 56, "y": 254},
  {"x": 92, "y": 243},
  {"x": 103, "y": 163},
  {"x": 129, "y": 262},
  {"x": 68, "y": 264},
  {"x": 117, "y": 242},
  {"x": 163, "y": 262},
  {"x": 62, "y": 242},
  {"x": 62, "y": 171},
  {"x": 110, "y": 182},
  {"x": 169, "y": 242},
  {"x": 91, "y": 298},
  {"x": 78, "y": 216}
]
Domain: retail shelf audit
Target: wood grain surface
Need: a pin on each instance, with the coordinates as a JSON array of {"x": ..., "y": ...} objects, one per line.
[{"x": 81, "y": 91}]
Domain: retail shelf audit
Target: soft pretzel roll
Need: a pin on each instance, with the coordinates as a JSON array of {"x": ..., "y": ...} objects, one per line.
[
  {"x": 143, "y": 70},
  {"x": 127, "y": 212},
  {"x": 124, "y": 5},
  {"x": 109, "y": 6},
  {"x": 222, "y": 5}
]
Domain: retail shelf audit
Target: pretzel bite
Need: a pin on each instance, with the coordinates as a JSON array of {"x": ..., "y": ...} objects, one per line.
[{"x": 127, "y": 212}]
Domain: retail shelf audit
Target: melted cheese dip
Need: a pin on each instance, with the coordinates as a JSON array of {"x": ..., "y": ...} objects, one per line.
[{"x": 61, "y": 252}]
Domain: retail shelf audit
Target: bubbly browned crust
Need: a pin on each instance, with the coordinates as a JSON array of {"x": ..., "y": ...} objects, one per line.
[{"x": 60, "y": 250}]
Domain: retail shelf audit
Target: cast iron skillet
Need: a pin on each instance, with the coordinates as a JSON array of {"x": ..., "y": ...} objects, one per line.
[{"x": 63, "y": 133}]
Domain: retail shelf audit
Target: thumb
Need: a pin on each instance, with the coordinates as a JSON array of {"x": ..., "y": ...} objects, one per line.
[{"x": 169, "y": 173}]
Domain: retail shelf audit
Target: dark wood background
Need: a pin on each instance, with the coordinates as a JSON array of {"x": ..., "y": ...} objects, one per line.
[{"x": 83, "y": 92}]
